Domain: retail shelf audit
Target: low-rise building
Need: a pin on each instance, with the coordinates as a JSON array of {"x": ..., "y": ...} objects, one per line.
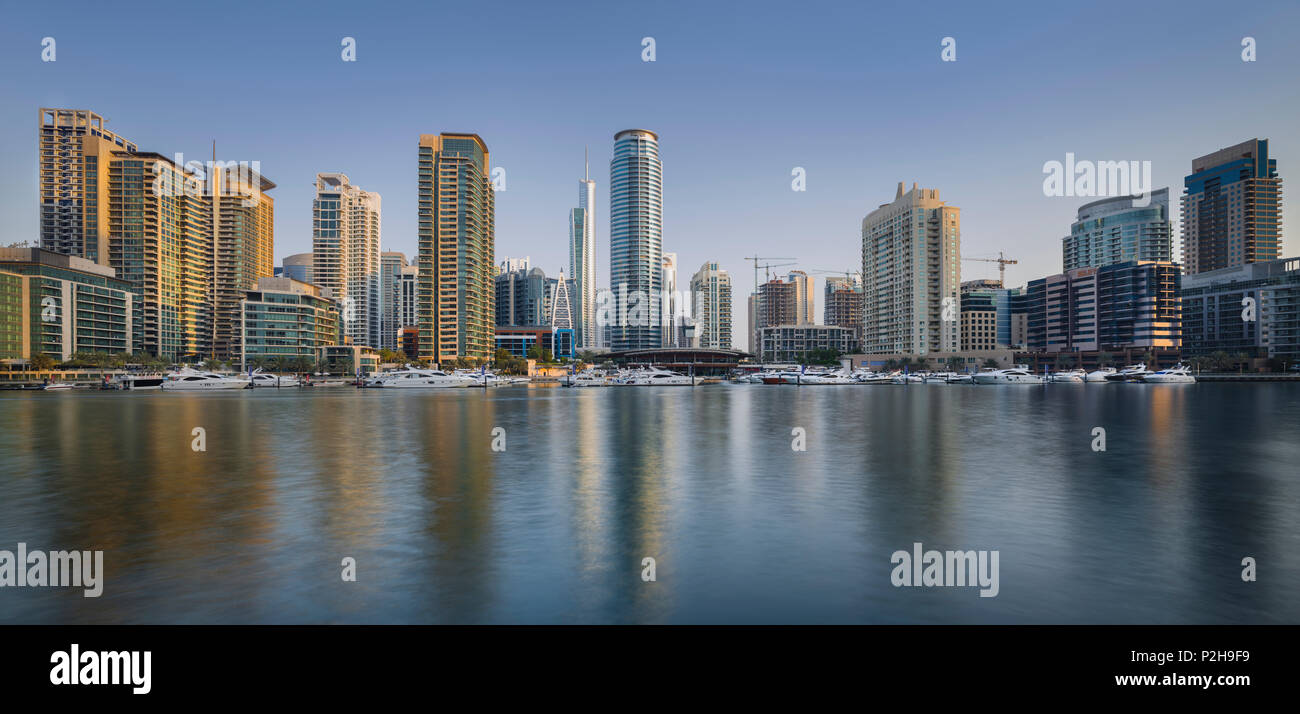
[
  {"x": 792, "y": 343},
  {"x": 58, "y": 305},
  {"x": 286, "y": 319},
  {"x": 1252, "y": 309}
]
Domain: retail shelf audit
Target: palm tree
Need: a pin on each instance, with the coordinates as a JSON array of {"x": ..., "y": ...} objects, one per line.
[
  {"x": 991, "y": 363},
  {"x": 1105, "y": 359}
]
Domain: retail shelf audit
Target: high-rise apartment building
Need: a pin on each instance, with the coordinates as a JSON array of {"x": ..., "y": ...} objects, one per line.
[
  {"x": 391, "y": 265},
  {"x": 346, "y": 257},
  {"x": 777, "y": 303},
  {"x": 161, "y": 243},
  {"x": 521, "y": 294},
  {"x": 243, "y": 221},
  {"x": 1118, "y": 230},
  {"x": 911, "y": 253},
  {"x": 711, "y": 290},
  {"x": 635, "y": 240},
  {"x": 1120, "y": 306},
  {"x": 1216, "y": 318},
  {"x": 75, "y": 149},
  {"x": 457, "y": 243},
  {"x": 582, "y": 263},
  {"x": 1232, "y": 209},
  {"x": 672, "y": 311}
]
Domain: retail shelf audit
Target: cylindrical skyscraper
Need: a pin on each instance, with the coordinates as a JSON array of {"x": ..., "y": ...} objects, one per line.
[{"x": 635, "y": 240}]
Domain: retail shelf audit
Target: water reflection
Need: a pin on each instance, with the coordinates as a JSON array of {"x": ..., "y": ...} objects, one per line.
[{"x": 742, "y": 527}]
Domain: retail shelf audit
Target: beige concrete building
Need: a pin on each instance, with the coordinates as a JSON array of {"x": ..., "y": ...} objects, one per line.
[
  {"x": 346, "y": 257},
  {"x": 243, "y": 218},
  {"x": 911, "y": 268},
  {"x": 75, "y": 148}
]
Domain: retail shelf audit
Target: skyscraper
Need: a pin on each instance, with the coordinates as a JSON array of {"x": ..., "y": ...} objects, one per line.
[
  {"x": 1232, "y": 209},
  {"x": 582, "y": 263},
  {"x": 911, "y": 252},
  {"x": 711, "y": 290},
  {"x": 298, "y": 267},
  {"x": 391, "y": 266},
  {"x": 1118, "y": 230},
  {"x": 671, "y": 310},
  {"x": 635, "y": 239},
  {"x": 161, "y": 243},
  {"x": 520, "y": 294},
  {"x": 346, "y": 256},
  {"x": 457, "y": 244},
  {"x": 75, "y": 150},
  {"x": 243, "y": 223}
]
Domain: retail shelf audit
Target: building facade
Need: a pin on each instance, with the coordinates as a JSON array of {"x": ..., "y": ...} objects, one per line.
[
  {"x": 297, "y": 266},
  {"x": 457, "y": 248},
  {"x": 1252, "y": 309},
  {"x": 793, "y": 343},
  {"x": 842, "y": 303},
  {"x": 987, "y": 315},
  {"x": 346, "y": 259},
  {"x": 58, "y": 305},
  {"x": 285, "y": 319},
  {"x": 391, "y": 266},
  {"x": 805, "y": 312},
  {"x": 711, "y": 290},
  {"x": 911, "y": 253},
  {"x": 243, "y": 223},
  {"x": 635, "y": 240},
  {"x": 1116, "y": 307},
  {"x": 520, "y": 294},
  {"x": 1119, "y": 230},
  {"x": 75, "y": 149},
  {"x": 1232, "y": 209}
]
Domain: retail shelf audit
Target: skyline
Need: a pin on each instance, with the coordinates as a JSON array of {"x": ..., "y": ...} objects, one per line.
[{"x": 735, "y": 114}]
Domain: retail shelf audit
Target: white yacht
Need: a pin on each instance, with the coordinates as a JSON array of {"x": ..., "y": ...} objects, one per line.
[
  {"x": 938, "y": 377},
  {"x": 586, "y": 378},
  {"x": 190, "y": 380},
  {"x": 1131, "y": 373},
  {"x": 961, "y": 379},
  {"x": 1018, "y": 374},
  {"x": 1178, "y": 374},
  {"x": 55, "y": 386},
  {"x": 1071, "y": 376},
  {"x": 900, "y": 378},
  {"x": 828, "y": 378},
  {"x": 654, "y": 376},
  {"x": 420, "y": 379},
  {"x": 869, "y": 377},
  {"x": 1100, "y": 375},
  {"x": 138, "y": 381},
  {"x": 265, "y": 379}
]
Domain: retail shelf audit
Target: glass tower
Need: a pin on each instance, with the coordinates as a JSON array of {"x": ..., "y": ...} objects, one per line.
[{"x": 635, "y": 240}]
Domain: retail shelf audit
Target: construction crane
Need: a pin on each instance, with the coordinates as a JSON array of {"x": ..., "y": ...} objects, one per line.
[
  {"x": 848, "y": 274},
  {"x": 767, "y": 266},
  {"x": 1002, "y": 262}
]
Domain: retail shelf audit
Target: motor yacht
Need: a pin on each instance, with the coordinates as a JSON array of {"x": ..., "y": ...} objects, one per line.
[
  {"x": 654, "y": 376},
  {"x": 1100, "y": 375},
  {"x": 1018, "y": 374},
  {"x": 1131, "y": 373},
  {"x": 1178, "y": 374},
  {"x": 586, "y": 378},
  {"x": 191, "y": 380},
  {"x": 420, "y": 379},
  {"x": 1070, "y": 376},
  {"x": 260, "y": 379}
]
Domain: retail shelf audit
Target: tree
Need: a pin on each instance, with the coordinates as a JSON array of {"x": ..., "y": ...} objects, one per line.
[
  {"x": 41, "y": 362},
  {"x": 991, "y": 363},
  {"x": 1105, "y": 359}
]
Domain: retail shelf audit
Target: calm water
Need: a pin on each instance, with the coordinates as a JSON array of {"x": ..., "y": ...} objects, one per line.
[{"x": 743, "y": 528}]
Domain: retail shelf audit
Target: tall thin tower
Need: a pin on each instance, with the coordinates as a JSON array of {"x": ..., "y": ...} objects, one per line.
[
  {"x": 582, "y": 260},
  {"x": 635, "y": 239}
]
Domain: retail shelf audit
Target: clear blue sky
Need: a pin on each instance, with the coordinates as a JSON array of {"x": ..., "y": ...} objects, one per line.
[{"x": 740, "y": 94}]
